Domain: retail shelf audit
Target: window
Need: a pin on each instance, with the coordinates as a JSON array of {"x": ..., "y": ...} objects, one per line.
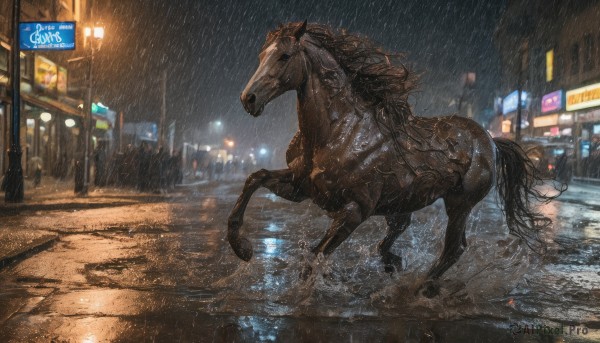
[
  {"x": 4, "y": 53},
  {"x": 588, "y": 56},
  {"x": 25, "y": 66},
  {"x": 575, "y": 59}
]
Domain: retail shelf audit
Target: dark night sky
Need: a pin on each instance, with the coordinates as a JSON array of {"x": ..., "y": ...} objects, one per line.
[{"x": 210, "y": 49}]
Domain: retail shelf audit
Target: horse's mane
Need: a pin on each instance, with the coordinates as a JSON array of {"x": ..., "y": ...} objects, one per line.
[{"x": 376, "y": 75}]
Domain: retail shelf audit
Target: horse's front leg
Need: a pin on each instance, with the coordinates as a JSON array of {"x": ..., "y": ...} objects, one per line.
[
  {"x": 278, "y": 182},
  {"x": 344, "y": 223}
]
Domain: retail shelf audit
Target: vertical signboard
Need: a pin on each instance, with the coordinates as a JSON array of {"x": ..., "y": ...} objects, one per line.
[
  {"x": 549, "y": 65},
  {"x": 61, "y": 82},
  {"x": 46, "y": 74}
]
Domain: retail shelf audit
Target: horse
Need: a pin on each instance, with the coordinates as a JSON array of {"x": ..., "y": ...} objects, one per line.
[{"x": 360, "y": 152}]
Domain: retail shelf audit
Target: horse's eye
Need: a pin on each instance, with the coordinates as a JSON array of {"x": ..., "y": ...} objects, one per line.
[{"x": 284, "y": 57}]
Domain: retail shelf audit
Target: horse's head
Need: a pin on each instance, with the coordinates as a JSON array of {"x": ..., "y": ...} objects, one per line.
[{"x": 280, "y": 69}]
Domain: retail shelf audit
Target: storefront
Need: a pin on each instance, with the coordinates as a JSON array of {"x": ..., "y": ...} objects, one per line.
[
  {"x": 4, "y": 107},
  {"x": 510, "y": 107},
  {"x": 553, "y": 122},
  {"x": 584, "y": 102},
  {"x": 52, "y": 125},
  {"x": 558, "y": 125},
  {"x": 52, "y": 135}
]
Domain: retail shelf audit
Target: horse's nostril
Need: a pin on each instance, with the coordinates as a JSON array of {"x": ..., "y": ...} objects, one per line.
[{"x": 251, "y": 98}]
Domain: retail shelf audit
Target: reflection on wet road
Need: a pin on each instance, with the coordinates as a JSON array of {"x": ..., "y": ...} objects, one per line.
[{"x": 183, "y": 282}]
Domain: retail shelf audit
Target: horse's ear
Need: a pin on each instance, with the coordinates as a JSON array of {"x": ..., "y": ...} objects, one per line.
[{"x": 300, "y": 30}]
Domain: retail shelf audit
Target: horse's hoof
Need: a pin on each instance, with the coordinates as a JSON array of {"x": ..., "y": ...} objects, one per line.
[
  {"x": 391, "y": 262},
  {"x": 243, "y": 249},
  {"x": 429, "y": 289},
  {"x": 305, "y": 272}
]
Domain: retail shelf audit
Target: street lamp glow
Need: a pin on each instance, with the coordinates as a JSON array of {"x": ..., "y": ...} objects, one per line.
[
  {"x": 45, "y": 117},
  {"x": 230, "y": 143},
  {"x": 98, "y": 32},
  {"x": 263, "y": 151},
  {"x": 208, "y": 148},
  {"x": 70, "y": 122},
  {"x": 218, "y": 123}
]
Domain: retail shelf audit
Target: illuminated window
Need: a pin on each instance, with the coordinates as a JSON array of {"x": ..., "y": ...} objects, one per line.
[{"x": 4, "y": 59}]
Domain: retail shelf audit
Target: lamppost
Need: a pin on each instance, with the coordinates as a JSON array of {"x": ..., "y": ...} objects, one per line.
[
  {"x": 14, "y": 174},
  {"x": 523, "y": 56},
  {"x": 92, "y": 35}
]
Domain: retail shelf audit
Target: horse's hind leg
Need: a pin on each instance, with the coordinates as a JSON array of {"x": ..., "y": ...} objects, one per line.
[
  {"x": 344, "y": 223},
  {"x": 454, "y": 245},
  {"x": 397, "y": 223}
]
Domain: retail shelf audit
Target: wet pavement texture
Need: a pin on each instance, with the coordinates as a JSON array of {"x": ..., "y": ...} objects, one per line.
[{"x": 168, "y": 274}]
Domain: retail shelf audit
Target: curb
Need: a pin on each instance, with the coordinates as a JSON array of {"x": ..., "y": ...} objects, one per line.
[{"x": 37, "y": 246}]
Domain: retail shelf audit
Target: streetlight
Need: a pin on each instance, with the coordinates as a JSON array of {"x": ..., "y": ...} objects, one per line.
[
  {"x": 92, "y": 35},
  {"x": 14, "y": 175}
]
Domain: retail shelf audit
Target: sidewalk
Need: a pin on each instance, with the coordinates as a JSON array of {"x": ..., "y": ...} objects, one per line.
[
  {"x": 47, "y": 211},
  {"x": 582, "y": 192}
]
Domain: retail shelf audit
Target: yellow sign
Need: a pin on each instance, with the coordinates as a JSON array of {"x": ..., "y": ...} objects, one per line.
[
  {"x": 583, "y": 97},
  {"x": 506, "y": 126},
  {"x": 549, "y": 65},
  {"x": 46, "y": 74},
  {"x": 543, "y": 121},
  {"x": 61, "y": 82}
]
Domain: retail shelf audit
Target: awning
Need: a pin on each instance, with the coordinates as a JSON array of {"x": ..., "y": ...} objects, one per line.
[{"x": 51, "y": 104}]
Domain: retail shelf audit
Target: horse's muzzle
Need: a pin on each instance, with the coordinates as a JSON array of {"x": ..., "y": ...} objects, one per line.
[{"x": 250, "y": 105}]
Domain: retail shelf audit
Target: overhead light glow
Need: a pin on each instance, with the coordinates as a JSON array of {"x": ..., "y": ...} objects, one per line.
[{"x": 45, "y": 117}]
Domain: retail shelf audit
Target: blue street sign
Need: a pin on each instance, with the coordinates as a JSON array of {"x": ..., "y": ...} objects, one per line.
[{"x": 47, "y": 35}]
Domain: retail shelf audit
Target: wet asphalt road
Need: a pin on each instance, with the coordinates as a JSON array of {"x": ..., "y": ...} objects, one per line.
[{"x": 182, "y": 282}]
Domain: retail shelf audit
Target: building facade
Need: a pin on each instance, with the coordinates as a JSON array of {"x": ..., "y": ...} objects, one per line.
[
  {"x": 551, "y": 50},
  {"x": 53, "y": 86}
]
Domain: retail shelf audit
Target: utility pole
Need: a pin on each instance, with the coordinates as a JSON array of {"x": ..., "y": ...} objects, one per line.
[
  {"x": 120, "y": 122},
  {"x": 14, "y": 174},
  {"x": 88, "y": 123},
  {"x": 520, "y": 92},
  {"x": 163, "y": 108}
]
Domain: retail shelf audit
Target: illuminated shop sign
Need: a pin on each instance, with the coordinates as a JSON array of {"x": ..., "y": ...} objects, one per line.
[
  {"x": 510, "y": 103},
  {"x": 61, "y": 81},
  {"x": 583, "y": 97},
  {"x": 46, "y": 73},
  {"x": 552, "y": 102},
  {"x": 549, "y": 65},
  {"x": 544, "y": 121},
  {"x": 47, "y": 35}
]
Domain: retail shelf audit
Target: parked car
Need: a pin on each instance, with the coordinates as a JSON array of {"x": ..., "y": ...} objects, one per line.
[{"x": 554, "y": 160}]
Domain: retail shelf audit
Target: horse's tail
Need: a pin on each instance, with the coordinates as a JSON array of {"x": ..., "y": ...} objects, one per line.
[{"x": 516, "y": 182}]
